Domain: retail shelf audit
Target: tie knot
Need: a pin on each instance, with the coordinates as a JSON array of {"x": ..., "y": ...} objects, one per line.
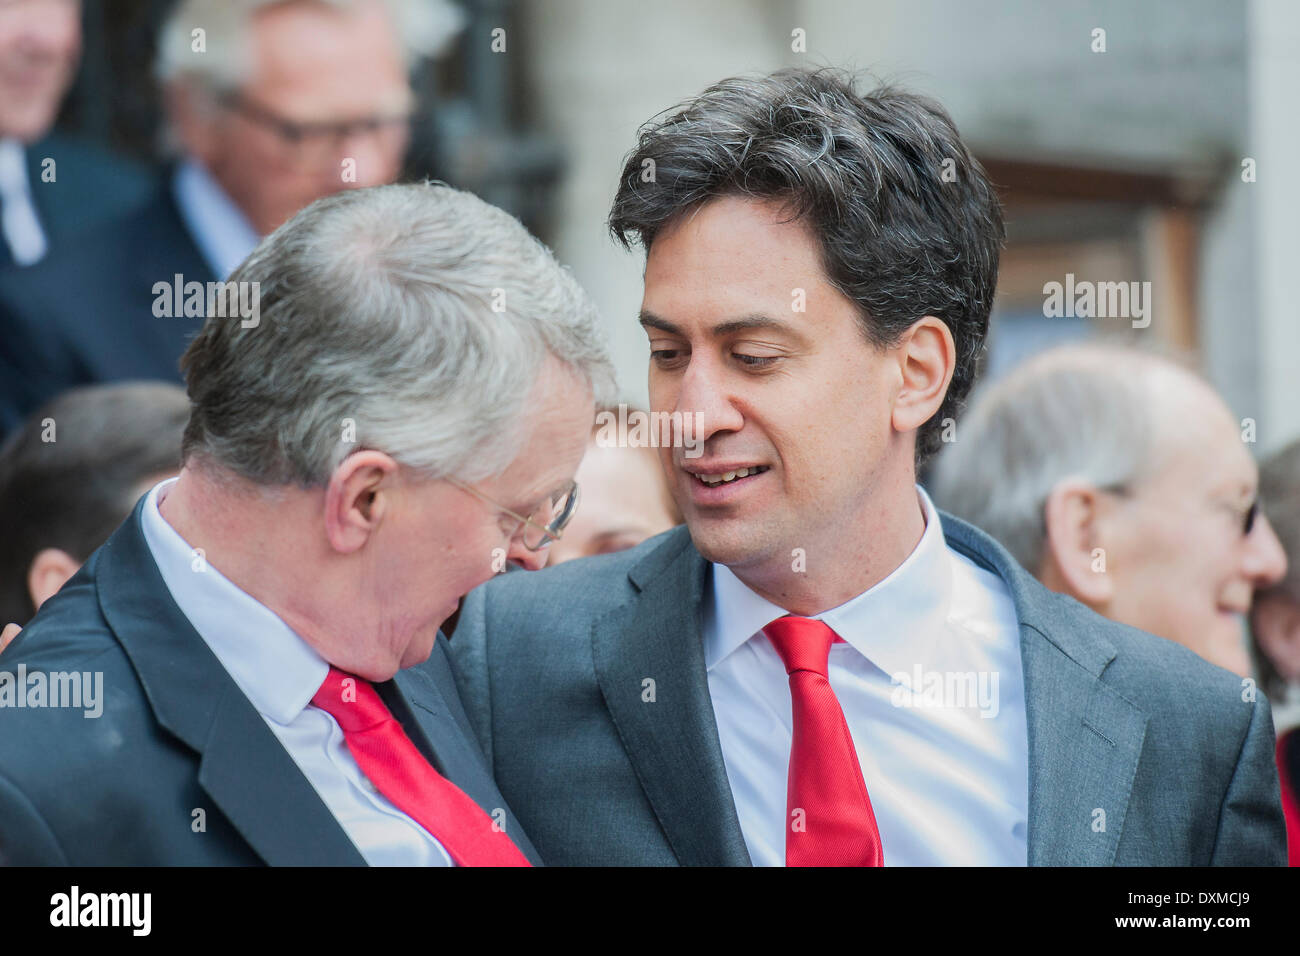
[
  {"x": 803, "y": 643},
  {"x": 351, "y": 700}
]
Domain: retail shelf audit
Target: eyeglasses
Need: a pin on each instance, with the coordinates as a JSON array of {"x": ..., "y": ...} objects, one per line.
[
  {"x": 317, "y": 141},
  {"x": 1122, "y": 490},
  {"x": 545, "y": 525}
]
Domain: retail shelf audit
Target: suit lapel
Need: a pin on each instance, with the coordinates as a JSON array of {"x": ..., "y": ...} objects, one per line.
[
  {"x": 259, "y": 788},
  {"x": 1084, "y": 745},
  {"x": 649, "y": 661},
  {"x": 1084, "y": 738},
  {"x": 430, "y": 720},
  {"x": 243, "y": 767}
]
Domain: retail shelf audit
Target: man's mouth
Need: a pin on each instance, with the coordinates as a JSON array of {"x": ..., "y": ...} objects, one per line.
[{"x": 726, "y": 477}]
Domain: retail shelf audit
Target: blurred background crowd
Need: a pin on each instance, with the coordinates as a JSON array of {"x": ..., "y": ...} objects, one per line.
[{"x": 1142, "y": 459}]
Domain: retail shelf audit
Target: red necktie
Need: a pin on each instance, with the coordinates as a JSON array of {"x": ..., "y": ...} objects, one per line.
[
  {"x": 393, "y": 764},
  {"x": 829, "y": 821}
]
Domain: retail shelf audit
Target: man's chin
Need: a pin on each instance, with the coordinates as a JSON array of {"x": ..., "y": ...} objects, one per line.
[
  {"x": 418, "y": 651},
  {"x": 733, "y": 543}
]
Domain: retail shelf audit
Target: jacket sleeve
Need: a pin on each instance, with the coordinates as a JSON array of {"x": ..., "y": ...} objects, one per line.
[{"x": 1252, "y": 830}]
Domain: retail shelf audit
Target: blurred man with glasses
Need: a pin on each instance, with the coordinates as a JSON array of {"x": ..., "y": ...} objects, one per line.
[
  {"x": 1120, "y": 478},
  {"x": 380, "y": 444},
  {"x": 270, "y": 104}
]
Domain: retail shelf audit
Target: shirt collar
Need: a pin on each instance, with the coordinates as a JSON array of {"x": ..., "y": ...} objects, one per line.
[
  {"x": 219, "y": 227},
  {"x": 276, "y": 669},
  {"x": 892, "y": 624}
]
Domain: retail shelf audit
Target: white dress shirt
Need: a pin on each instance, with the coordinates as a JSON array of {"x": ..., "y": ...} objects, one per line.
[
  {"x": 219, "y": 228},
  {"x": 280, "y": 673},
  {"x": 20, "y": 227},
  {"x": 929, "y": 678}
]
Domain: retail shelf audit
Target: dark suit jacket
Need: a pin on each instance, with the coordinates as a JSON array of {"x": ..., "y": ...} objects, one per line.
[
  {"x": 91, "y": 186},
  {"x": 551, "y": 666},
  {"x": 84, "y": 313},
  {"x": 176, "y": 735}
]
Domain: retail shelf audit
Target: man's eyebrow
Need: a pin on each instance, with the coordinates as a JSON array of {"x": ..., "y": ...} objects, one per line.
[
  {"x": 651, "y": 321},
  {"x": 557, "y": 493},
  {"x": 743, "y": 324}
]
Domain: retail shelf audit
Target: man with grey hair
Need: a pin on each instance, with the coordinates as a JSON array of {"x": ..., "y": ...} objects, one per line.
[
  {"x": 270, "y": 104},
  {"x": 406, "y": 416},
  {"x": 1120, "y": 478}
]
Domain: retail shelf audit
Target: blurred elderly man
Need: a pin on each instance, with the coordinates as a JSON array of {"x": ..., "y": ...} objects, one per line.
[
  {"x": 271, "y": 104},
  {"x": 1120, "y": 478},
  {"x": 52, "y": 186},
  {"x": 71, "y": 474},
  {"x": 407, "y": 416},
  {"x": 821, "y": 669}
]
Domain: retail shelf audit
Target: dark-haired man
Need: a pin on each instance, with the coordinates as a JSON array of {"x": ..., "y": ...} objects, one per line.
[
  {"x": 70, "y": 476},
  {"x": 820, "y": 669}
]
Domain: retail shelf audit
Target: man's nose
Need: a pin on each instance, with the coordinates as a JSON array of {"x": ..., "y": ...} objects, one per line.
[
  {"x": 372, "y": 159},
  {"x": 1264, "y": 560},
  {"x": 527, "y": 559},
  {"x": 704, "y": 394}
]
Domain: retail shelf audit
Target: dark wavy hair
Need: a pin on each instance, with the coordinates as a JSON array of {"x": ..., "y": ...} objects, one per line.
[{"x": 908, "y": 222}]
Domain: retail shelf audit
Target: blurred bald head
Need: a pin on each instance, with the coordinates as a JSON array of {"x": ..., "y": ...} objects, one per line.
[{"x": 1119, "y": 477}]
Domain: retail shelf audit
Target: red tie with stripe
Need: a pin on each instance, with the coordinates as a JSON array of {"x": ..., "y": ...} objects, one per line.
[
  {"x": 399, "y": 771},
  {"x": 829, "y": 820}
]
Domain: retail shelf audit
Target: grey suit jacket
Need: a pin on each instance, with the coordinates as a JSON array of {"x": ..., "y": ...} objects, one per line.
[{"x": 551, "y": 667}]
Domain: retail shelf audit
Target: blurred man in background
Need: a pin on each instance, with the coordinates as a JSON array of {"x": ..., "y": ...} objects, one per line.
[
  {"x": 624, "y": 499},
  {"x": 350, "y": 468},
  {"x": 1120, "y": 478},
  {"x": 72, "y": 474},
  {"x": 1275, "y": 630},
  {"x": 270, "y": 104},
  {"x": 52, "y": 187}
]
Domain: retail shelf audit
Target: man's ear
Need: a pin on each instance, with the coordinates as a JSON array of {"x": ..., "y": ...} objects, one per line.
[
  {"x": 49, "y": 571},
  {"x": 927, "y": 358},
  {"x": 357, "y": 498},
  {"x": 1074, "y": 560}
]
